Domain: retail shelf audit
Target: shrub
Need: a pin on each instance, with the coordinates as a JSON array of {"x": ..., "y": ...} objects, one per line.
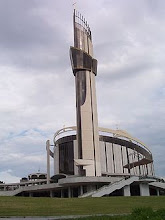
[
  {"x": 147, "y": 214},
  {"x": 160, "y": 213}
]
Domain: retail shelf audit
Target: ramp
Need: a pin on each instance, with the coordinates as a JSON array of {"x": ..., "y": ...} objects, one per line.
[
  {"x": 106, "y": 190},
  {"x": 11, "y": 192}
]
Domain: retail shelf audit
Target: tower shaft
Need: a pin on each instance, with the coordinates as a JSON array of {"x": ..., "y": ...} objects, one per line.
[{"x": 85, "y": 69}]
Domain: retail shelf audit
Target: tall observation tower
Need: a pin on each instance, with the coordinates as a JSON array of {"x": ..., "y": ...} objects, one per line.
[{"x": 85, "y": 69}]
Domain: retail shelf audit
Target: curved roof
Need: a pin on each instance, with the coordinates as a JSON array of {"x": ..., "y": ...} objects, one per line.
[
  {"x": 116, "y": 133},
  {"x": 122, "y": 133},
  {"x": 120, "y": 137}
]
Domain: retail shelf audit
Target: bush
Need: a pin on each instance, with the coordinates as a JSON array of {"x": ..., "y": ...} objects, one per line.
[
  {"x": 147, "y": 214},
  {"x": 160, "y": 213}
]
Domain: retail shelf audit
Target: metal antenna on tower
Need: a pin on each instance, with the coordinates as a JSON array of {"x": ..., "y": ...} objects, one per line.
[{"x": 74, "y": 5}]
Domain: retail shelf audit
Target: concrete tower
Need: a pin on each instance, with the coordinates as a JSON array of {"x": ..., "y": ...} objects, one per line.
[{"x": 85, "y": 69}]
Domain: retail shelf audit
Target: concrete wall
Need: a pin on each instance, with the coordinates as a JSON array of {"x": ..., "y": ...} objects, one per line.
[{"x": 144, "y": 189}]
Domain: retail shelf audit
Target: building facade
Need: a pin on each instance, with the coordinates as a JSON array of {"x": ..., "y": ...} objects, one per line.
[{"x": 120, "y": 154}]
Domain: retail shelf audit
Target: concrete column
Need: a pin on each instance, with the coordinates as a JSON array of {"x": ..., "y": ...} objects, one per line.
[
  {"x": 56, "y": 159},
  {"x": 69, "y": 192},
  {"x": 48, "y": 160},
  {"x": 51, "y": 194},
  {"x": 75, "y": 144},
  {"x": 158, "y": 193},
  {"x": 30, "y": 194},
  {"x": 126, "y": 190},
  {"x": 81, "y": 190},
  {"x": 144, "y": 189},
  {"x": 62, "y": 193}
]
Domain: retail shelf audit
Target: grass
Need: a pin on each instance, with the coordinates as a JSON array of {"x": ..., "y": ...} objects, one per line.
[
  {"x": 137, "y": 214},
  {"x": 31, "y": 206}
]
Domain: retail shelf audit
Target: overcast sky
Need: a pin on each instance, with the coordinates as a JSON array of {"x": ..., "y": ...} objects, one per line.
[{"x": 37, "y": 91}]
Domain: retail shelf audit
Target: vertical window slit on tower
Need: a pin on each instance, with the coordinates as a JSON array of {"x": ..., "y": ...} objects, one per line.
[
  {"x": 122, "y": 158},
  {"x": 106, "y": 161},
  {"x": 128, "y": 160},
  {"x": 113, "y": 156}
]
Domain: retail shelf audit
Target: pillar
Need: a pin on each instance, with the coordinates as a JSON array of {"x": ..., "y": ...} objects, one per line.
[
  {"x": 30, "y": 194},
  {"x": 69, "y": 192},
  {"x": 144, "y": 189},
  {"x": 81, "y": 190},
  {"x": 62, "y": 193},
  {"x": 51, "y": 194},
  {"x": 126, "y": 190},
  {"x": 48, "y": 160}
]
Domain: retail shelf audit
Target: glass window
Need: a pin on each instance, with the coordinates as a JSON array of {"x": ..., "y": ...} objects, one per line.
[{"x": 66, "y": 157}]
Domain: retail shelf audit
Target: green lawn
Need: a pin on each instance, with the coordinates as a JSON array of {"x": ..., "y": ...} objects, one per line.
[
  {"x": 137, "y": 214},
  {"x": 25, "y": 206}
]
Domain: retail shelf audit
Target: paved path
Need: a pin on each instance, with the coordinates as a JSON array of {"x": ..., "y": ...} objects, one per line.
[{"x": 57, "y": 217}]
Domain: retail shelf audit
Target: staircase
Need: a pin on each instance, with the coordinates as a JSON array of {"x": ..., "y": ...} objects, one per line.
[
  {"x": 11, "y": 192},
  {"x": 106, "y": 190}
]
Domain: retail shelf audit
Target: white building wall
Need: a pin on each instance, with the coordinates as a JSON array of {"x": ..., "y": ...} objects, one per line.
[
  {"x": 95, "y": 125},
  {"x": 117, "y": 158},
  {"x": 103, "y": 157},
  {"x": 130, "y": 155},
  {"x": 127, "y": 190},
  {"x": 125, "y": 161},
  {"x": 75, "y": 144},
  {"x": 149, "y": 169},
  {"x": 110, "y": 165},
  {"x": 56, "y": 159},
  {"x": 144, "y": 189}
]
